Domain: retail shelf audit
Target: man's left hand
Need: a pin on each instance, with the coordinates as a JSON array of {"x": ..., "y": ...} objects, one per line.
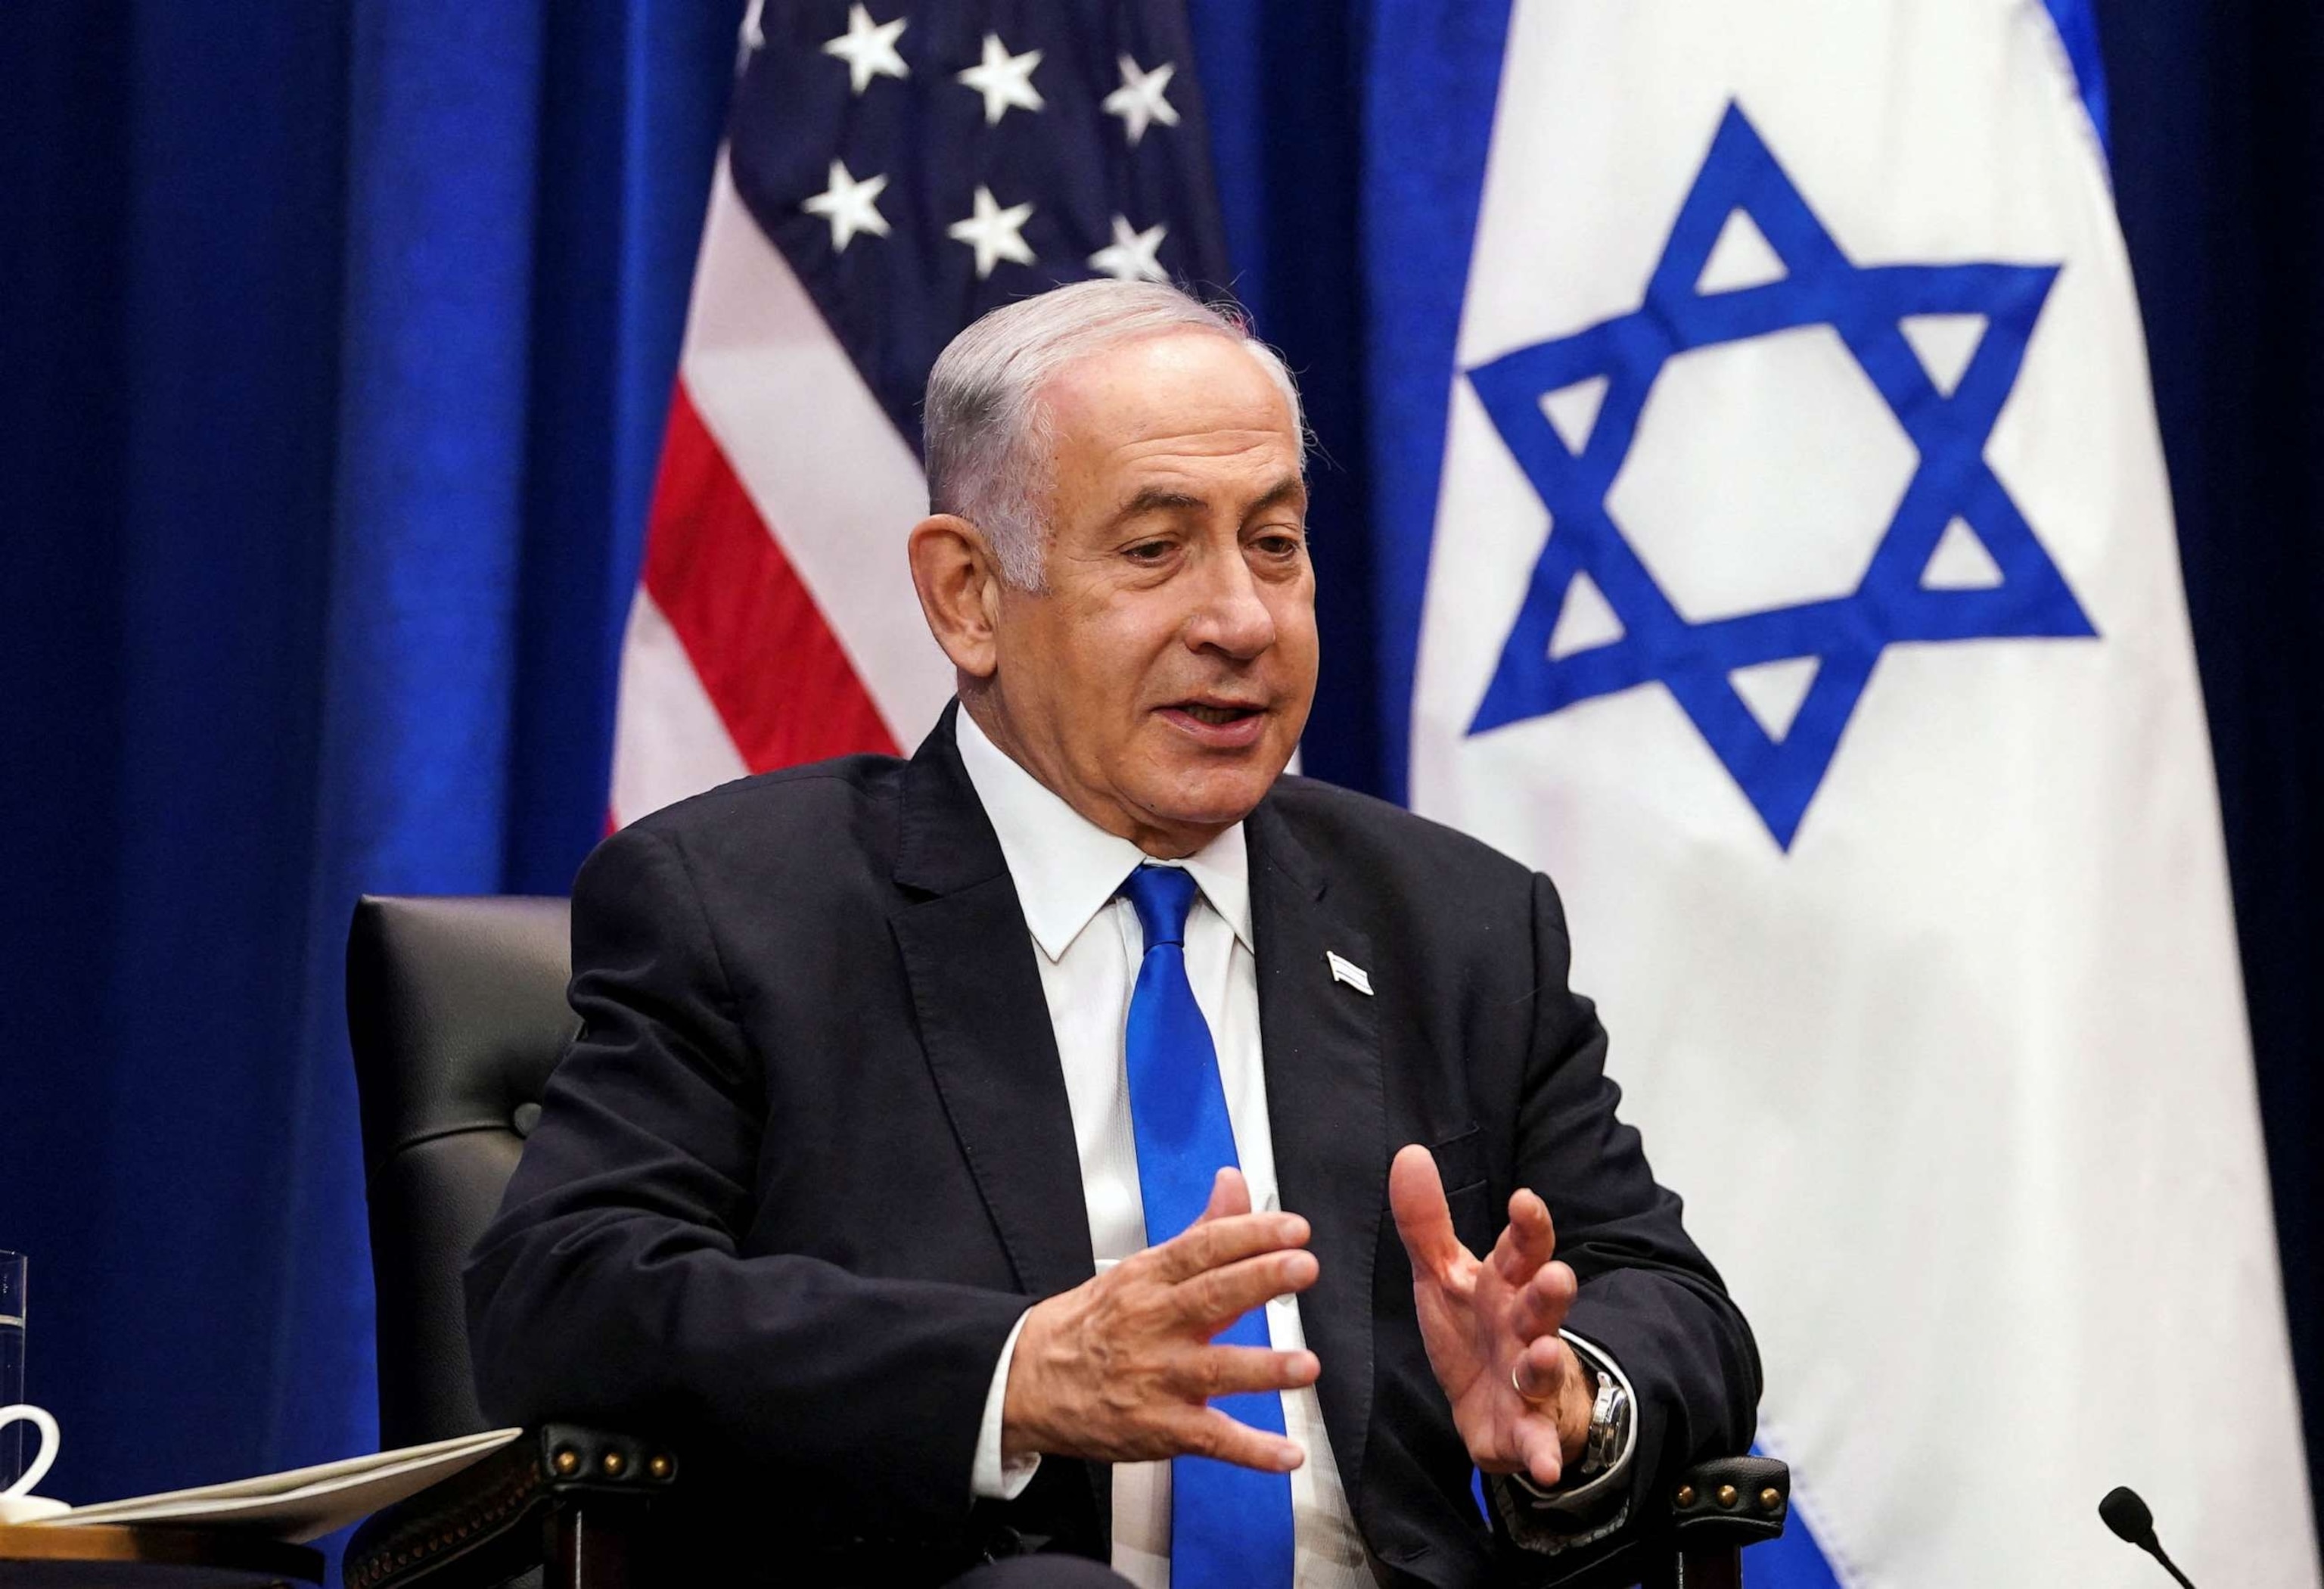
[{"x": 1519, "y": 1397}]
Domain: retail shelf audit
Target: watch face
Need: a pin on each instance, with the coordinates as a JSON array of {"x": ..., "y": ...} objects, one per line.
[{"x": 1607, "y": 1416}]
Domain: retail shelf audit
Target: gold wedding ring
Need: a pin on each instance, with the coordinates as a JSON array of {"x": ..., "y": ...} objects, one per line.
[{"x": 1528, "y": 1400}]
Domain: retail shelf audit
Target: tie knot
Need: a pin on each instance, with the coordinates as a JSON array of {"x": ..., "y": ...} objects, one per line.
[{"x": 1161, "y": 895}]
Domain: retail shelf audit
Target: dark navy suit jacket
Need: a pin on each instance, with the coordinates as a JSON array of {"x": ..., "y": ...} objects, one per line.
[{"x": 810, "y": 1154}]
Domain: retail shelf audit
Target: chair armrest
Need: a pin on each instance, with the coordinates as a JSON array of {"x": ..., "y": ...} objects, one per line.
[
  {"x": 1731, "y": 1501},
  {"x": 494, "y": 1519},
  {"x": 1691, "y": 1535}
]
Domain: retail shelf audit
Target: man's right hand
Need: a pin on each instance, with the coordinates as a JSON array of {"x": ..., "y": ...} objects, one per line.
[{"x": 1121, "y": 1367}]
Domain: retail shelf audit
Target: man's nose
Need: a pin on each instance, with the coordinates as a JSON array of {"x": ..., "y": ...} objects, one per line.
[{"x": 1233, "y": 616}]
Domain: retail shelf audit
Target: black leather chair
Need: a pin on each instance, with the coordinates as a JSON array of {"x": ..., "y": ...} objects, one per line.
[
  {"x": 456, "y": 1014},
  {"x": 456, "y": 1011}
]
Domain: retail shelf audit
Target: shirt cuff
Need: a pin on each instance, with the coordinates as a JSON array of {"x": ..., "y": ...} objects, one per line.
[
  {"x": 993, "y": 1479},
  {"x": 1560, "y": 1519}
]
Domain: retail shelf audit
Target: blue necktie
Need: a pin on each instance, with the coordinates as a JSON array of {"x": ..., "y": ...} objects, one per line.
[{"x": 1230, "y": 1527}]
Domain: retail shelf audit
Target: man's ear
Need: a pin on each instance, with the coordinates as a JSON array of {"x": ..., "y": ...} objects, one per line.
[{"x": 959, "y": 582}]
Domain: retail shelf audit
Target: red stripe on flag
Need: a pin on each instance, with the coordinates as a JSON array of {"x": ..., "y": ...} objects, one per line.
[{"x": 766, "y": 657}]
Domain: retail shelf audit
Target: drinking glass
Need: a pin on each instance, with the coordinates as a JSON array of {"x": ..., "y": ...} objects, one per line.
[{"x": 11, "y": 1364}]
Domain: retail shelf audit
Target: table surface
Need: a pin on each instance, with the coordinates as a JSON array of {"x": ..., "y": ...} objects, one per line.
[{"x": 49, "y": 1558}]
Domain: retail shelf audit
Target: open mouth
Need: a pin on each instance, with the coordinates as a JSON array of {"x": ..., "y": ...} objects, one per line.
[{"x": 1216, "y": 716}]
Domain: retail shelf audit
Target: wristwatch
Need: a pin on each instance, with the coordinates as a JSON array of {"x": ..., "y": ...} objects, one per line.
[{"x": 1609, "y": 1426}]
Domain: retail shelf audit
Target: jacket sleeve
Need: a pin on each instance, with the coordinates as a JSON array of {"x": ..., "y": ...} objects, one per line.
[
  {"x": 613, "y": 1287},
  {"x": 1647, "y": 1294}
]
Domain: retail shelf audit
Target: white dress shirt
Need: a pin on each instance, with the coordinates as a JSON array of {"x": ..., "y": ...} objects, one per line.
[{"x": 1089, "y": 945}]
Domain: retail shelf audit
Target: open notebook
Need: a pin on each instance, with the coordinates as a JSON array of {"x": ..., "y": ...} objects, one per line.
[{"x": 303, "y": 1504}]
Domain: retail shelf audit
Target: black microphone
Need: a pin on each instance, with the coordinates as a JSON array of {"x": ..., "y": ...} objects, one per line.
[{"x": 2127, "y": 1515}]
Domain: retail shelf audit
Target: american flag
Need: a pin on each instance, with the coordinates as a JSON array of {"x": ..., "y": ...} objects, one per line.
[{"x": 892, "y": 172}]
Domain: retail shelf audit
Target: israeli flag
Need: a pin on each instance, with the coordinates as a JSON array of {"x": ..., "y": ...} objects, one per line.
[{"x": 1803, "y": 597}]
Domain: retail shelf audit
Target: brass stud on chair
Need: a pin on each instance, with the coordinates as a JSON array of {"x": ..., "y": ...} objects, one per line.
[
  {"x": 1727, "y": 1496},
  {"x": 1771, "y": 1499},
  {"x": 612, "y": 1463},
  {"x": 566, "y": 1462},
  {"x": 1685, "y": 1496},
  {"x": 660, "y": 1465}
]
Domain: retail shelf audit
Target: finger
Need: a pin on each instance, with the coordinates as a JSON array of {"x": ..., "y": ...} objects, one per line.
[
  {"x": 1235, "y": 1371},
  {"x": 1544, "y": 1302},
  {"x": 1216, "y": 1298},
  {"x": 1212, "y": 1433},
  {"x": 1415, "y": 1195},
  {"x": 1228, "y": 1239},
  {"x": 1539, "y": 1373},
  {"x": 1528, "y": 1241},
  {"x": 1538, "y": 1451},
  {"x": 1229, "y": 1195}
]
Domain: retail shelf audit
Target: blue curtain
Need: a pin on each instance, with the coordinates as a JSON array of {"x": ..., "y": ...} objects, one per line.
[
  {"x": 332, "y": 371},
  {"x": 339, "y": 341}
]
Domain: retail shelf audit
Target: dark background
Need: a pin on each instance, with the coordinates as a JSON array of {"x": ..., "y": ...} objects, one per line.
[
  {"x": 2219, "y": 162},
  {"x": 333, "y": 346}
]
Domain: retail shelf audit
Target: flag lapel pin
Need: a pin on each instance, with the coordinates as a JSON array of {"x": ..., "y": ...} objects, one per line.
[{"x": 1346, "y": 970}]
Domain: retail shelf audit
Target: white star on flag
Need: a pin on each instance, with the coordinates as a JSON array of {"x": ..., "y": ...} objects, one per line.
[
  {"x": 996, "y": 233},
  {"x": 869, "y": 49},
  {"x": 1004, "y": 79},
  {"x": 849, "y": 205},
  {"x": 1132, "y": 255},
  {"x": 1138, "y": 101}
]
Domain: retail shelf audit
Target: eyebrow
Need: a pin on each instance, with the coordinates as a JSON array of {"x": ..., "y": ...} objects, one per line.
[
  {"x": 1160, "y": 499},
  {"x": 1156, "y": 500}
]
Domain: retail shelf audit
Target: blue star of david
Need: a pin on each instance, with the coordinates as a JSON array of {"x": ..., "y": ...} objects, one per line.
[{"x": 1845, "y": 636}]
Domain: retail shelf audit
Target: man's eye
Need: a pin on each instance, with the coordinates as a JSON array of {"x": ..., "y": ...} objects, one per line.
[
  {"x": 1148, "y": 551},
  {"x": 1278, "y": 545}
]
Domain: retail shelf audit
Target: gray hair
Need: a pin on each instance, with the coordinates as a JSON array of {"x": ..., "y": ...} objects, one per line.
[{"x": 989, "y": 447}]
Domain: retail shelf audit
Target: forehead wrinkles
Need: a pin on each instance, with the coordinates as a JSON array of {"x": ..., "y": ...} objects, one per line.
[
  {"x": 1186, "y": 382},
  {"x": 1158, "y": 453}
]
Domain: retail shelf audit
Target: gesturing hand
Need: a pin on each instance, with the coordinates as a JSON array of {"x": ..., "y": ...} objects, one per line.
[
  {"x": 1491, "y": 1327},
  {"x": 1120, "y": 1368}
]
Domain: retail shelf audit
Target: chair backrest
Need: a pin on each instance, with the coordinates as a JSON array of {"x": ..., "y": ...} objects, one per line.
[{"x": 457, "y": 1014}]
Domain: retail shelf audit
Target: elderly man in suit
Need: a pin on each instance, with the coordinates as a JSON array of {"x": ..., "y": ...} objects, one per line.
[{"x": 1083, "y": 1143}]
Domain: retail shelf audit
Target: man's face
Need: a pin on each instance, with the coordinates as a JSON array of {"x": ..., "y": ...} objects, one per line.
[{"x": 1162, "y": 681}]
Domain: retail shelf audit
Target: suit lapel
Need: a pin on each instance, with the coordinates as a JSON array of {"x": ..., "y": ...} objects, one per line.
[
  {"x": 1328, "y": 1115},
  {"x": 984, "y": 1022}
]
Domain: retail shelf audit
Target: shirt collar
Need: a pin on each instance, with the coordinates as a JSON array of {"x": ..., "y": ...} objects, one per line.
[{"x": 1065, "y": 866}]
